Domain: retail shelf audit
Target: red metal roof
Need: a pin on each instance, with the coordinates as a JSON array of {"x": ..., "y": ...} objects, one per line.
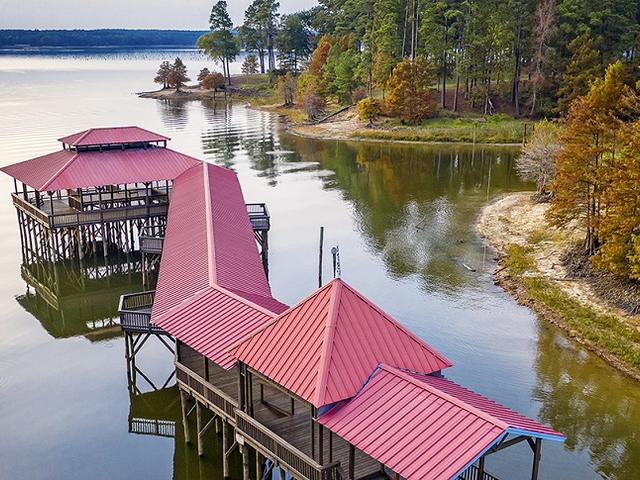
[
  {"x": 417, "y": 429},
  {"x": 67, "y": 169},
  {"x": 214, "y": 320},
  {"x": 110, "y": 136},
  {"x": 515, "y": 420},
  {"x": 212, "y": 289},
  {"x": 324, "y": 348}
]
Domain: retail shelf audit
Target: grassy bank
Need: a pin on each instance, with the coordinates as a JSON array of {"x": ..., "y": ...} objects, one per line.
[
  {"x": 532, "y": 268},
  {"x": 603, "y": 333},
  {"x": 468, "y": 128}
]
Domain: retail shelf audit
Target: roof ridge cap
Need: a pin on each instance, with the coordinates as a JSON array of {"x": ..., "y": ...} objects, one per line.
[
  {"x": 327, "y": 347},
  {"x": 277, "y": 318},
  {"x": 81, "y": 137},
  {"x": 60, "y": 170},
  {"x": 436, "y": 391},
  {"x": 246, "y": 301},
  {"x": 209, "y": 225}
]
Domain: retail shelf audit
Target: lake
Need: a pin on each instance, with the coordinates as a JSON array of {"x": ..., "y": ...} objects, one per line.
[{"x": 402, "y": 216}]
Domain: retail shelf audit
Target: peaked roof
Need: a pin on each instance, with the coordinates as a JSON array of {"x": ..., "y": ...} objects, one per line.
[
  {"x": 212, "y": 289},
  {"x": 67, "y": 169},
  {"x": 422, "y": 431},
  {"x": 111, "y": 135},
  {"x": 324, "y": 348}
]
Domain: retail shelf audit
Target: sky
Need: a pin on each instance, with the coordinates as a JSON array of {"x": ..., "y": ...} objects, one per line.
[{"x": 88, "y": 14}]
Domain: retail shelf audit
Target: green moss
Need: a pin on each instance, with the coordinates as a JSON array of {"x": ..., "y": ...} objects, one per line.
[{"x": 606, "y": 332}]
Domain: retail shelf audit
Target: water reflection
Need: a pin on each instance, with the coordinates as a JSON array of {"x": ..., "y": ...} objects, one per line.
[
  {"x": 412, "y": 204},
  {"x": 599, "y": 412}
]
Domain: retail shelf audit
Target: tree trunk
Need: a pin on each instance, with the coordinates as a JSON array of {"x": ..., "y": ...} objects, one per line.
[
  {"x": 456, "y": 94},
  {"x": 261, "y": 55},
  {"x": 228, "y": 73}
]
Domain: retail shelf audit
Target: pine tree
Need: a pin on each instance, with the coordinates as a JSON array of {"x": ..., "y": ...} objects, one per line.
[
  {"x": 178, "y": 75},
  {"x": 250, "y": 65},
  {"x": 163, "y": 73},
  {"x": 583, "y": 68}
]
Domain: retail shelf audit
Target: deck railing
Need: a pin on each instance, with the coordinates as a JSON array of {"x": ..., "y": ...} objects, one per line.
[
  {"x": 86, "y": 217},
  {"x": 135, "y": 312},
  {"x": 275, "y": 447},
  {"x": 159, "y": 428},
  {"x": 258, "y": 216},
  {"x": 473, "y": 473},
  {"x": 215, "y": 398},
  {"x": 151, "y": 244}
]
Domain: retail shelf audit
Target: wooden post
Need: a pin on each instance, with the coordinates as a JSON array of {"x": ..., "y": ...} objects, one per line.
[
  {"x": 245, "y": 462},
  {"x": 185, "y": 420},
  {"x": 320, "y": 444},
  {"x": 225, "y": 447},
  {"x": 320, "y": 257},
  {"x": 330, "y": 446},
  {"x": 536, "y": 459},
  {"x": 199, "y": 428},
  {"x": 481, "y": 468},
  {"x": 258, "y": 466},
  {"x": 352, "y": 461},
  {"x": 313, "y": 436}
]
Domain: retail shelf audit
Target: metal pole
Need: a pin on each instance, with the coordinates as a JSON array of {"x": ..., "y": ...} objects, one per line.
[{"x": 320, "y": 257}]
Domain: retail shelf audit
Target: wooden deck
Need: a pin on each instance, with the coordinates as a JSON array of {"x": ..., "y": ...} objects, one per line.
[
  {"x": 63, "y": 215},
  {"x": 274, "y": 427}
]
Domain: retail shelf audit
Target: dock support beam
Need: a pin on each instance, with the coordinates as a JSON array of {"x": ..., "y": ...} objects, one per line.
[
  {"x": 199, "y": 428},
  {"x": 185, "y": 420},
  {"x": 245, "y": 462},
  {"x": 225, "y": 448}
]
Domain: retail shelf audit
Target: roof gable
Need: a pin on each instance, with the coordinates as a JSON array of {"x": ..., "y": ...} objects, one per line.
[
  {"x": 423, "y": 426},
  {"x": 324, "y": 348}
]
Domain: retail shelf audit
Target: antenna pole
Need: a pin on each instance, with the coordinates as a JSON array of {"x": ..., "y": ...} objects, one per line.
[{"x": 320, "y": 257}]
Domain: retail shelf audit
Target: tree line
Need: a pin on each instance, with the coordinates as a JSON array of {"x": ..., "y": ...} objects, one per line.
[{"x": 98, "y": 38}]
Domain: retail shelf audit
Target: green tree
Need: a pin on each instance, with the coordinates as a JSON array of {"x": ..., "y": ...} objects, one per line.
[
  {"x": 250, "y": 64},
  {"x": 219, "y": 18},
  {"x": 221, "y": 47},
  {"x": 411, "y": 97},
  {"x": 178, "y": 75},
  {"x": 345, "y": 81},
  {"x": 583, "y": 68},
  {"x": 262, "y": 16},
  {"x": 163, "y": 73},
  {"x": 293, "y": 42}
]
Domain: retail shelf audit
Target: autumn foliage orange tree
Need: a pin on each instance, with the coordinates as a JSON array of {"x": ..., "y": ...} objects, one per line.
[
  {"x": 598, "y": 171},
  {"x": 411, "y": 96}
]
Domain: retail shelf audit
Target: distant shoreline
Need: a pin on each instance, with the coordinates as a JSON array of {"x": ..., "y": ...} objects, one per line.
[{"x": 98, "y": 38}]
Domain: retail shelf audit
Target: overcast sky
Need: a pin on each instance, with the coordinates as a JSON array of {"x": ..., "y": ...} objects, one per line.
[{"x": 173, "y": 14}]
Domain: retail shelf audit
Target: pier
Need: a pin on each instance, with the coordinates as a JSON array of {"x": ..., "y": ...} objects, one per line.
[{"x": 331, "y": 388}]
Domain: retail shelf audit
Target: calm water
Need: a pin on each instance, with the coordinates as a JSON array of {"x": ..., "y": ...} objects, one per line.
[{"x": 403, "y": 218}]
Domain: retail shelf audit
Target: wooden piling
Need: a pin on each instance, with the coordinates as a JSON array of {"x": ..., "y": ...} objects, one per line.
[{"x": 185, "y": 420}]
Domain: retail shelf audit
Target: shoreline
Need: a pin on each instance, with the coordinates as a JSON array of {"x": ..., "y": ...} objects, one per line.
[
  {"x": 530, "y": 268},
  {"x": 345, "y": 126}
]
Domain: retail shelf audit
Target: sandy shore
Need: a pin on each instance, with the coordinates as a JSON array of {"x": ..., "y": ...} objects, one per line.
[{"x": 515, "y": 219}]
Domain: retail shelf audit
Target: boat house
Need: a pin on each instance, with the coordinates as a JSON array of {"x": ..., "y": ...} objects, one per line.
[{"x": 330, "y": 388}]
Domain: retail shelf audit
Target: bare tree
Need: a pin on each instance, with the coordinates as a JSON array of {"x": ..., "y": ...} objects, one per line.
[
  {"x": 543, "y": 30},
  {"x": 536, "y": 163}
]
